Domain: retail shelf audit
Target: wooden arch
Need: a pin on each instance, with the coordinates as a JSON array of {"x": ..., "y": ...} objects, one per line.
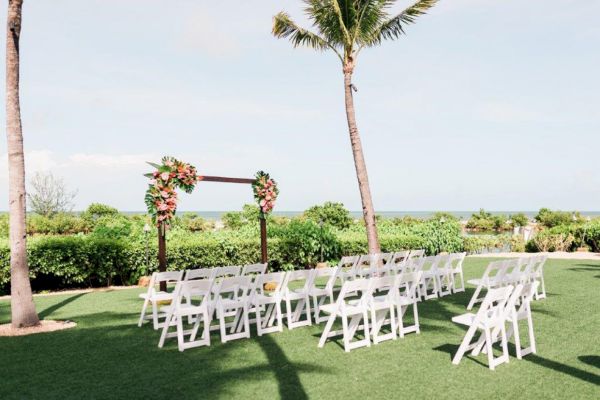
[{"x": 162, "y": 242}]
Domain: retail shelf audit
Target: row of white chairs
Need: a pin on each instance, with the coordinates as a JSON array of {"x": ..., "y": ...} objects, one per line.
[
  {"x": 511, "y": 286},
  {"x": 510, "y": 272},
  {"x": 501, "y": 305}
]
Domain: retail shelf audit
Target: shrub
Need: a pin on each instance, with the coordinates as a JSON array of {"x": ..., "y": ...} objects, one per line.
[
  {"x": 486, "y": 222},
  {"x": 486, "y": 243},
  {"x": 550, "y": 219},
  {"x": 517, "y": 244},
  {"x": 332, "y": 214},
  {"x": 304, "y": 243},
  {"x": 3, "y": 225},
  {"x": 59, "y": 224},
  {"x": 551, "y": 241},
  {"x": 237, "y": 219},
  {"x": 112, "y": 227},
  {"x": 519, "y": 219}
]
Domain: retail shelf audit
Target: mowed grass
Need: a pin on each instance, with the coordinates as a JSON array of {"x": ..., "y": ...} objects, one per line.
[{"x": 108, "y": 356}]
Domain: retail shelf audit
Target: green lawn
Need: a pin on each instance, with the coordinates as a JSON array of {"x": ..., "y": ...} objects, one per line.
[{"x": 108, "y": 356}]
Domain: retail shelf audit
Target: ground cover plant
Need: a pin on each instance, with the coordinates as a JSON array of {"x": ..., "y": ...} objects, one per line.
[{"x": 109, "y": 356}]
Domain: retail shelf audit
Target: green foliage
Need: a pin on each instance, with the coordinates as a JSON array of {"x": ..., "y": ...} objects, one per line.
[
  {"x": 550, "y": 219},
  {"x": 517, "y": 243},
  {"x": 332, "y": 214},
  {"x": 238, "y": 219},
  {"x": 558, "y": 238},
  {"x": 486, "y": 222},
  {"x": 192, "y": 222},
  {"x": 486, "y": 243},
  {"x": 519, "y": 219},
  {"x": 113, "y": 227},
  {"x": 98, "y": 210},
  {"x": 3, "y": 225},
  {"x": 304, "y": 243},
  {"x": 59, "y": 224}
]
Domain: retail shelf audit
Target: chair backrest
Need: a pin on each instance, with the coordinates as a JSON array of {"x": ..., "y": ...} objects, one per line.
[
  {"x": 408, "y": 283},
  {"x": 298, "y": 275},
  {"x": 492, "y": 311},
  {"x": 167, "y": 276},
  {"x": 430, "y": 263},
  {"x": 456, "y": 261},
  {"x": 416, "y": 253},
  {"x": 349, "y": 289},
  {"x": 273, "y": 277},
  {"x": 400, "y": 256},
  {"x": 386, "y": 258},
  {"x": 527, "y": 267},
  {"x": 199, "y": 273},
  {"x": 512, "y": 271},
  {"x": 331, "y": 273},
  {"x": 254, "y": 269},
  {"x": 192, "y": 290},
  {"x": 527, "y": 294},
  {"x": 494, "y": 271},
  {"x": 348, "y": 261},
  {"x": 444, "y": 262},
  {"x": 367, "y": 264},
  {"x": 388, "y": 282},
  {"x": 239, "y": 286},
  {"x": 228, "y": 271},
  {"x": 414, "y": 264},
  {"x": 540, "y": 260}
]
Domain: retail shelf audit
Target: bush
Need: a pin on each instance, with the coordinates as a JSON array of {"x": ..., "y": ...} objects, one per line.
[
  {"x": 304, "y": 243},
  {"x": 4, "y": 225},
  {"x": 59, "y": 224},
  {"x": 486, "y": 222},
  {"x": 98, "y": 210},
  {"x": 550, "y": 219},
  {"x": 486, "y": 243},
  {"x": 112, "y": 227},
  {"x": 238, "y": 219},
  {"x": 332, "y": 214},
  {"x": 519, "y": 219},
  {"x": 550, "y": 240}
]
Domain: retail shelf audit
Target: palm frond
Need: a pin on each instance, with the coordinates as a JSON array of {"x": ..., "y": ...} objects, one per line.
[
  {"x": 394, "y": 27},
  {"x": 284, "y": 27}
]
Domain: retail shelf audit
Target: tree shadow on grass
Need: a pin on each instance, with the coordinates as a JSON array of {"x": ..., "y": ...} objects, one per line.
[
  {"x": 586, "y": 376},
  {"x": 114, "y": 358},
  {"x": 47, "y": 311}
]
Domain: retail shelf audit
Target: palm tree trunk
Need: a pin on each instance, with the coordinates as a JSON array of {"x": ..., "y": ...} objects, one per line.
[
  {"x": 22, "y": 306},
  {"x": 361, "y": 167}
]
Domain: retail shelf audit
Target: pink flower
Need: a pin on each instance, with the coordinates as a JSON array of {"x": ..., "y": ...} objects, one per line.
[{"x": 164, "y": 176}]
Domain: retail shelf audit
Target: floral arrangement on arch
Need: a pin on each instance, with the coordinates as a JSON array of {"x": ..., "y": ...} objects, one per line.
[
  {"x": 161, "y": 196},
  {"x": 265, "y": 192}
]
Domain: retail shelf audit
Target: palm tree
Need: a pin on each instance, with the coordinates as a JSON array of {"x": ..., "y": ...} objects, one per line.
[
  {"x": 346, "y": 27},
  {"x": 23, "y": 312}
]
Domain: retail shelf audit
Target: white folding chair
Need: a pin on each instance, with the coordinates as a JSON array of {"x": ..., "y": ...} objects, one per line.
[
  {"x": 347, "y": 268},
  {"x": 368, "y": 265},
  {"x": 416, "y": 254},
  {"x": 456, "y": 260},
  {"x": 199, "y": 273},
  {"x": 351, "y": 313},
  {"x": 185, "y": 294},
  {"x": 493, "y": 277},
  {"x": 429, "y": 286},
  {"x": 268, "y": 302},
  {"x": 319, "y": 292},
  {"x": 538, "y": 273},
  {"x": 227, "y": 272},
  {"x": 407, "y": 286},
  {"x": 254, "y": 269},
  {"x": 514, "y": 315},
  {"x": 154, "y": 296},
  {"x": 491, "y": 316},
  {"x": 399, "y": 260},
  {"x": 512, "y": 272},
  {"x": 443, "y": 275},
  {"x": 300, "y": 295},
  {"x": 232, "y": 299},
  {"x": 381, "y": 305}
]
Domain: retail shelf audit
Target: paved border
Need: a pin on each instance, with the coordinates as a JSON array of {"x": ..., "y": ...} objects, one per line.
[{"x": 558, "y": 255}]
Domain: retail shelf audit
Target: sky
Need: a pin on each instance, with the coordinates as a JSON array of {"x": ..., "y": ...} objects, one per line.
[{"x": 491, "y": 104}]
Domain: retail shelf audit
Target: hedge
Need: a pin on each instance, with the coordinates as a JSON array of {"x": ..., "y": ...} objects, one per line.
[{"x": 58, "y": 262}]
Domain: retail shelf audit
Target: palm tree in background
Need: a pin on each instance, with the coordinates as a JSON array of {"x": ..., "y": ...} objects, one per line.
[
  {"x": 346, "y": 27},
  {"x": 23, "y": 312}
]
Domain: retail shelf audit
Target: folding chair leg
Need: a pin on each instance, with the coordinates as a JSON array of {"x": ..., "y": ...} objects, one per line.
[
  {"x": 143, "y": 314},
  {"x": 490, "y": 351},
  {"x": 164, "y": 332},
  {"x": 464, "y": 346},
  {"x": 155, "y": 315},
  {"x": 345, "y": 333},
  {"x": 326, "y": 331},
  {"x": 474, "y": 298},
  {"x": 180, "y": 339}
]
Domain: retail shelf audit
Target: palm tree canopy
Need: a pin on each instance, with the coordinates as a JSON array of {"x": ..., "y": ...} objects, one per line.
[{"x": 347, "y": 26}]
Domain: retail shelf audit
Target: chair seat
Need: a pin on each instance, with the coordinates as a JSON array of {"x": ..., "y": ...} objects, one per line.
[
  {"x": 158, "y": 296},
  {"x": 475, "y": 282},
  {"x": 318, "y": 291},
  {"x": 464, "y": 319},
  {"x": 232, "y": 303},
  {"x": 185, "y": 309}
]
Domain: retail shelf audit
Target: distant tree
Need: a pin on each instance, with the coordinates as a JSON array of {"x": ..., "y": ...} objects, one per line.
[
  {"x": 550, "y": 218},
  {"x": 49, "y": 195},
  {"x": 237, "y": 219},
  {"x": 519, "y": 219},
  {"x": 332, "y": 214},
  {"x": 98, "y": 210},
  {"x": 346, "y": 27}
]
